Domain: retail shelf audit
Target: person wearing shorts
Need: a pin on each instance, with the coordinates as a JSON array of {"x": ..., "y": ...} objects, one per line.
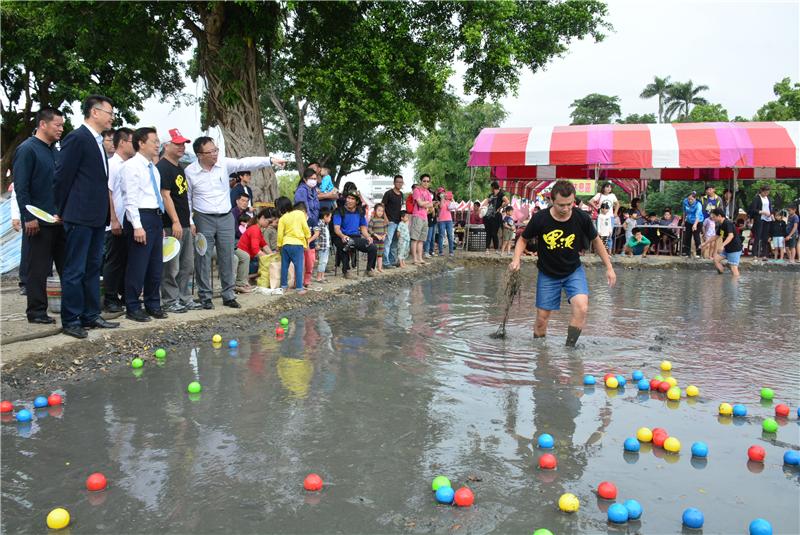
[
  {"x": 560, "y": 231},
  {"x": 423, "y": 199},
  {"x": 730, "y": 241}
]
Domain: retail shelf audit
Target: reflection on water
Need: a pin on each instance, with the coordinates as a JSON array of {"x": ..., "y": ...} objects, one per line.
[{"x": 380, "y": 395}]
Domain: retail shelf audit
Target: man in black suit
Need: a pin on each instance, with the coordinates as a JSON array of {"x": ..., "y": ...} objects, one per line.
[{"x": 81, "y": 192}]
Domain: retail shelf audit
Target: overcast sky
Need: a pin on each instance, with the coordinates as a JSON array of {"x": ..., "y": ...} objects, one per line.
[{"x": 738, "y": 49}]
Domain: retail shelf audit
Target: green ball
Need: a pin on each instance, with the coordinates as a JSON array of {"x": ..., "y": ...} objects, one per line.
[
  {"x": 284, "y": 321},
  {"x": 137, "y": 363},
  {"x": 194, "y": 387},
  {"x": 659, "y": 377},
  {"x": 767, "y": 393},
  {"x": 770, "y": 425},
  {"x": 160, "y": 353},
  {"x": 542, "y": 531},
  {"x": 440, "y": 481}
]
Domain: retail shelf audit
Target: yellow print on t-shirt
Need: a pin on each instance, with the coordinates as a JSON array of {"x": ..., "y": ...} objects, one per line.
[
  {"x": 181, "y": 183},
  {"x": 554, "y": 240}
]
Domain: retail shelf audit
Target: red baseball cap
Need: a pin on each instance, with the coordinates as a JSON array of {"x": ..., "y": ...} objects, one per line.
[{"x": 176, "y": 137}]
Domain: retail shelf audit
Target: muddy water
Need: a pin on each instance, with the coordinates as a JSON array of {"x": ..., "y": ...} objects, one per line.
[{"x": 379, "y": 396}]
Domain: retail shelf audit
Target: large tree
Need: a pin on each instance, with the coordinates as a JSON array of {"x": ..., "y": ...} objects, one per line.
[
  {"x": 681, "y": 96},
  {"x": 635, "y": 118},
  {"x": 595, "y": 109},
  {"x": 786, "y": 108},
  {"x": 657, "y": 88},
  {"x": 707, "y": 113}
]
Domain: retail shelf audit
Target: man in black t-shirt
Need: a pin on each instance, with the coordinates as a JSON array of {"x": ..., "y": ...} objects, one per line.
[
  {"x": 730, "y": 241},
  {"x": 560, "y": 230},
  {"x": 393, "y": 203}
]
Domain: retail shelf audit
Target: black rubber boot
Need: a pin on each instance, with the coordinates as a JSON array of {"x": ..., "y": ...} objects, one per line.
[{"x": 573, "y": 333}]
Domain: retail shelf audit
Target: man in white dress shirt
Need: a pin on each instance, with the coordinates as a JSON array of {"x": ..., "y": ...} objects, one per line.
[
  {"x": 116, "y": 249},
  {"x": 210, "y": 202},
  {"x": 144, "y": 206}
]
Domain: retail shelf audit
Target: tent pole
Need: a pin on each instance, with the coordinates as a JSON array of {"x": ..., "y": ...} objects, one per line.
[
  {"x": 471, "y": 180},
  {"x": 734, "y": 185}
]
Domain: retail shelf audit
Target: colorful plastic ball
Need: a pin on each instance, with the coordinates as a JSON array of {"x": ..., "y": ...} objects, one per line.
[
  {"x": 617, "y": 513},
  {"x": 607, "y": 490},
  {"x": 313, "y": 482},
  {"x": 606, "y": 376},
  {"x": 672, "y": 381},
  {"x": 739, "y": 410},
  {"x": 217, "y": 339},
  {"x": 589, "y": 380},
  {"x": 674, "y": 393},
  {"x": 634, "y": 509},
  {"x": 637, "y": 375},
  {"x": 756, "y": 454},
  {"x": 6, "y": 406},
  {"x": 440, "y": 481},
  {"x": 40, "y": 402},
  {"x": 759, "y": 526},
  {"x": 58, "y": 518},
  {"x": 663, "y": 387},
  {"x": 659, "y": 430},
  {"x": 798, "y": 412},
  {"x": 631, "y": 444},
  {"x": 659, "y": 377},
  {"x": 569, "y": 503},
  {"x": 692, "y": 391},
  {"x": 96, "y": 481},
  {"x": 279, "y": 331},
  {"x": 160, "y": 353},
  {"x": 767, "y": 393},
  {"x": 612, "y": 382},
  {"x": 770, "y": 425},
  {"x": 464, "y": 497},
  {"x": 643, "y": 385},
  {"x": 285, "y": 321},
  {"x": 644, "y": 434},
  {"x": 621, "y": 381},
  {"x": 782, "y": 410},
  {"x": 666, "y": 365},
  {"x": 791, "y": 458},
  {"x": 54, "y": 400},
  {"x": 659, "y": 438},
  {"x": 548, "y": 461},
  {"x": 672, "y": 445},
  {"x": 700, "y": 449},
  {"x": 725, "y": 409},
  {"x": 693, "y": 518},
  {"x": 445, "y": 495},
  {"x": 194, "y": 387},
  {"x": 233, "y": 344},
  {"x": 137, "y": 363},
  {"x": 546, "y": 441},
  {"x": 542, "y": 531},
  {"x": 654, "y": 384},
  {"x": 23, "y": 415}
]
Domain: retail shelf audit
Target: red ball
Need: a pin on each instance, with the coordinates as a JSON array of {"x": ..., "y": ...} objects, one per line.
[
  {"x": 663, "y": 386},
  {"x": 6, "y": 406},
  {"x": 464, "y": 497},
  {"x": 659, "y": 439},
  {"x": 312, "y": 482},
  {"x": 279, "y": 331},
  {"x": 607, "y": 490},
  {"x": 606, "y": 376},
  {"x": 659, "y": 430},
  {"x": 756, "y": 453},
  {"x": 782, "y": 410},
  {"x": 654, "y": 384},
  {"x": 547, "y": 461},
  {"x": 96, "y": 481},
  {"x": 54, "y": 399}
]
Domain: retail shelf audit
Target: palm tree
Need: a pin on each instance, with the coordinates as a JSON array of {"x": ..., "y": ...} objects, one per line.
[
  {"x": 681, "y": 96},
  {"x": 659, "y": 88}
]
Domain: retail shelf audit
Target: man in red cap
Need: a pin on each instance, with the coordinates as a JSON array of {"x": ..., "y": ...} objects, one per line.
[{"x": 175, "y": 294}]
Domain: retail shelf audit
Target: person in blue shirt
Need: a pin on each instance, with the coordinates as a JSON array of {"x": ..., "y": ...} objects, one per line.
[
  {"x": 350, "y": 231},
  {"x": 692, "y": 220}
]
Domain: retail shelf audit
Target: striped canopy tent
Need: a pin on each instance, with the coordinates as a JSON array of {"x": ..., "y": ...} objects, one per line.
[{"x": 526, "y": 160}]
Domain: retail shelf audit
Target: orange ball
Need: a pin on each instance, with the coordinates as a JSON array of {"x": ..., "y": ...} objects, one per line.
[
  {"x": 312, "y": 482},
  {"x": 464, "y": 497}
]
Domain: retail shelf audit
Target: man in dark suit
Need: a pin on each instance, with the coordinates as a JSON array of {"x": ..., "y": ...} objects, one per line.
[{"x": 81, "y": 192}]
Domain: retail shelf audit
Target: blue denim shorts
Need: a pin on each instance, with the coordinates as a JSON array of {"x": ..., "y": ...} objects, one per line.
[
  {"x": 548, "y": 289},
  {"x": 733, "y": 258}
]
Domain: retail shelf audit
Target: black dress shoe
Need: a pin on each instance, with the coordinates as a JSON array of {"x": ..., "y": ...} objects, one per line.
[
  {"x": 157, "y": 313},
  {"x": 100, "y": 323},
  {"x": 113, "y": 308},
  {"x": 138, "y": 315},
  {"x": 42, "y": 320},
  {"x": 75, "y": 331},
  {"x": 233, "y": 303},
  {"x": 207, "y": 304}
]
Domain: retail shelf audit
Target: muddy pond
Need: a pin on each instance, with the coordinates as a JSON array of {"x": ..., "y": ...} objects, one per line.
[{"x": 379, "y": 396}]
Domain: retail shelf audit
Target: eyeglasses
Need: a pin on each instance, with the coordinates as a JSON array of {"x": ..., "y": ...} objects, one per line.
[
  {"x": 426, "y": 180},
  {"x": 215, "y": 151},
  {"x": 111, "y": 113}
]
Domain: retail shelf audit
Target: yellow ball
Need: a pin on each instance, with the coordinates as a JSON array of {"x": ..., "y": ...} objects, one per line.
[
  {"x": 725, "y": 409},
  {"x": 216, "y": 339},
  {"x": 692, "y": 391},
  {"x": 672, "y": 381},
  {"x": 672, "y": 444},
  {"x": 674, "y": 393},
  {"x": 666, "y": 365},
  {"x": 612, "y": 382},
  {"x": 58, "y": 518},
  {"x": 568, "y": 503},
  {"x": 644, "y": 434}
]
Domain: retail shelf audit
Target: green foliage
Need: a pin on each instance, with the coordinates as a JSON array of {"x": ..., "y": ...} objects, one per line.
[
  {"x": 443, "y": 151},
  {"x": 595, "y": 109},
  {"x": 658, "y": 88},
  {"x": 783, "y": 192},
  {"x": 707, "y": 113},
  {"x": 287, "y": 183},
  {"x": 681, "y": 96},
  {"x": 786, "y": 108},
  {"x": 635, "y": 118}
]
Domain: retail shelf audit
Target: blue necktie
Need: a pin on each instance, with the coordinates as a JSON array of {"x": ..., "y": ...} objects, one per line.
[{"x": 155, "y": 187}]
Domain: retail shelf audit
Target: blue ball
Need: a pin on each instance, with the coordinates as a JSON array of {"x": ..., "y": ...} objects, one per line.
[
  {"x": 24, "y": 415},
  {"x": 589, "y": 380},
  {"x": 40, "y": 402},
  {"x": 621, "y": 380},
  {"x": 792, "y": 458},
  {"x": 798, "y": 412},
  {"x": 759, "y": 526},
  {"x": 445, "y": 495},
  {"x": 699, "y": 449},
  {"x": 643, "y": 385},
  {"x": 634, "y": 509},
  {"x": 637, "y": 375},
  {"x": 618, "y": 513},
  {"x": 739, "y": 410},
  {"x": 233, "y": 343},
  {"x": 693, "y": 518},
  {"x": 546, "y": 441},
  {"x": 631, "y": 444}
]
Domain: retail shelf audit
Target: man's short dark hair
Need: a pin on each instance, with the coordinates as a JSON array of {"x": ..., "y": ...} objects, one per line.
[
  {"x": 91, "y": 101},
  {"x": 140, "y": 134},
  {"x": 108, "y": 133},
  {"x": 197, "y": 146},
  {"x": 495, "y": 184},
  {"x": 764, "y": 188},
  {"x": 122, "y": 134},
  {"x": 564, "y": 188},
  {"x": 47, "y": 114},
  {"x": 243, "y": 194},
  {"x": 637, "y": 230},
  {"x": 668, "y": 210},
  {"x": 508, "y": 209},
  {"x": 396, "y": 177},
  {"x": 719, "y": 212}
]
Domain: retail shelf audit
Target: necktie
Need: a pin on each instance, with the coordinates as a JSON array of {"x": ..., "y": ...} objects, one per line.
[{"x": 155, "y": 187}]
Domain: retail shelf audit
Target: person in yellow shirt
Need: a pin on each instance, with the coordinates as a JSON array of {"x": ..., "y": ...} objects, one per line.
[{"x": 293, "y": 235}]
